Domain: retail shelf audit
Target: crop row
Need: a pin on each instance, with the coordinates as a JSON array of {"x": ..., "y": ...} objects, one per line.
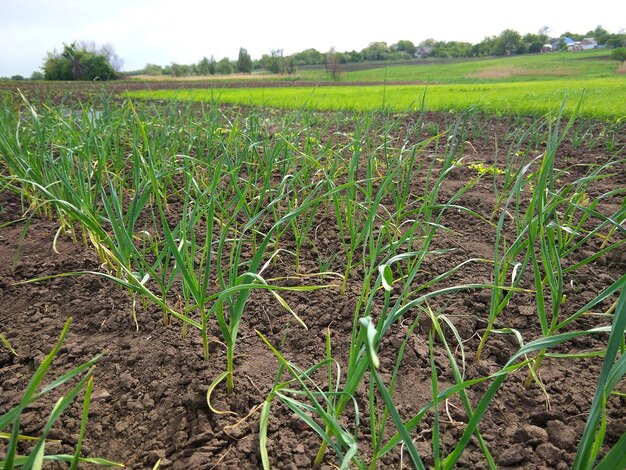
[{"x": 189, "y": 208}]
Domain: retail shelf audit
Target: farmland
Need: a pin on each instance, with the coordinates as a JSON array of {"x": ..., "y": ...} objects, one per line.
[
  {"x": 341, "y": 276},
  {"x": 558, "y": 66},
  {"x": 524, "y": 85},
  {"x": 601, "y": 98}
]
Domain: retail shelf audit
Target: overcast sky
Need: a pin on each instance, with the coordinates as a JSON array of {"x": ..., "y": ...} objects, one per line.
[{"x": 184, "y": 31}]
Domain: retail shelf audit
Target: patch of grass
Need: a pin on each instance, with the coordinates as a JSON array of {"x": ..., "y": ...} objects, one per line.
[
  {"x": 603, "y": 97},
  {"x": 554, "y": 66}
]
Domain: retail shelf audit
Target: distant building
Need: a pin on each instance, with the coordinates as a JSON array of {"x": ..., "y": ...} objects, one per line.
[
  {"x": 568, "y": 41},
  {"x": 588, "y": 43},
  {"x": 584, "y": 45},
  {"x": 557, "y": 44},
  {"x": 423, "y": 51}
]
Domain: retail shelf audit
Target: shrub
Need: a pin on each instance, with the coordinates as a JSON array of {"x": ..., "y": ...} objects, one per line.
[
  {"x": 76, "y": 63},
  {"x": 224, "y": 66},
  {"x": 619, "y": 54}
]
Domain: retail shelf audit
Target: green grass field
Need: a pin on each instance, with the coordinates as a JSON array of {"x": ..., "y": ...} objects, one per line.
[
  {"x": 555, "y": 66},
  {"x": 533, "y": 84},
  {"x": 602, "y": 98}
]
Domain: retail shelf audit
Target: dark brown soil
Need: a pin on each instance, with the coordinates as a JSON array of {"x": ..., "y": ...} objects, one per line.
[
  {"x": 63, "y": 90},
  {"x": 150, "y": 388}
]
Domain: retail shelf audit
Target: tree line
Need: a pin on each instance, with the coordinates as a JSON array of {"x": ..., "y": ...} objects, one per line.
[
  {"x": 508, "y": 42},
  {"x": 275, "y": 62},
  {"x": 89, "y": 61}
]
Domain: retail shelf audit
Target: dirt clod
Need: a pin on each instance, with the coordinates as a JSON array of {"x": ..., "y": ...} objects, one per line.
[
  {"x": 549, "y": 453},
  {"x": 561, "y": 435},
  {"x": 530, "y": 434},
  {"x": 513, "y": 455}
]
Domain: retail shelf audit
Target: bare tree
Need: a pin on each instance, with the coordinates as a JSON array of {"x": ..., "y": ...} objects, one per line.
[
  {"x": 333, "y": 64},
  {"x": 543, "y": 33},
  {"x": 107, "y": 50},
  {"x": 115, "y": 60}
]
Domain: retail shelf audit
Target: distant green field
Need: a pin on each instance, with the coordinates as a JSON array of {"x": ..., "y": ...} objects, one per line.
[
  {"x": 554, "y": 66},
  {"x": 604, "y": 98}
]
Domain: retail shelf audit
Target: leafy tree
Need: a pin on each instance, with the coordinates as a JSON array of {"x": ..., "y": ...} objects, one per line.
[
  {"x": 153, "y": 69},
  {"x": 599, "y": 34},
  {"x": 376, "y": 51},
  {"x": 277, "y": 63},
  {"x": 535, "y": 47},
  {"x": 57, "y": 67},
  {"x": 289, "y": 65},
  {"x": 352, "y": 56},
  {"x": 616, "y": 40},
  {"x": 451, "y": 49},
  {"x": 399, "y": 55},
  {"x": 76, "y": 63},
  {"x": 224, "y": 66},
  {"x": 309, "y": 57},
  {"x": 212, "y": 66},
  {"x": 179, "y": 70},
  {"x": 204, "y": 66},
  {"x": 17, "y": 77},
  {"x": 530, "y": 38},
  {"x": 486, "y": 47},
  {"x": 404, "y": 46},
  {"x": 95, "y": 66},
  {"x": 244, "y": 62},
  {"x": 274, "y": 62},
  {"x": 264, "y": 61},
  {"x": 508, "y": 42},
  {"x": 619, "y": 54},
  {"x": 36, "y": 75}
]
